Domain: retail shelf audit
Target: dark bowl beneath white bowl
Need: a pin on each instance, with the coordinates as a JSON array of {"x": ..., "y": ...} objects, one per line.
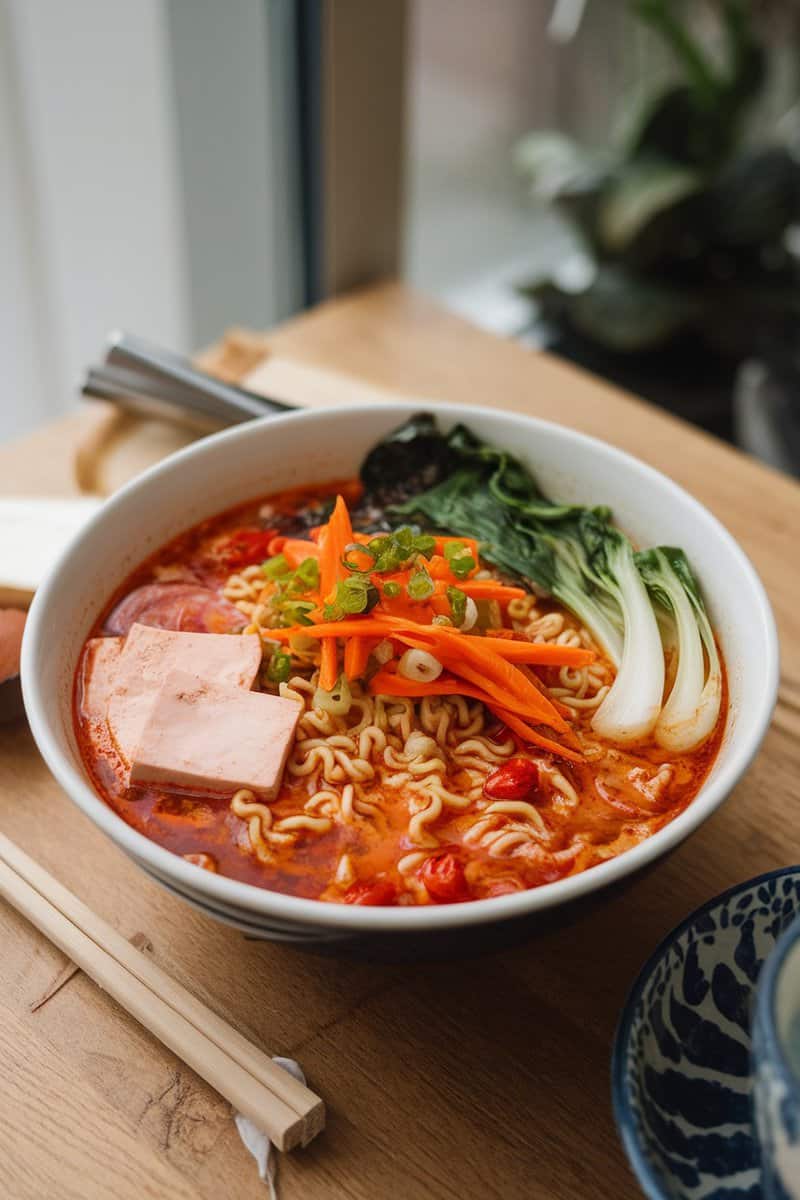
[
  {"x": 681, "y": 1069},
  {"x": 279, "y": 452}
]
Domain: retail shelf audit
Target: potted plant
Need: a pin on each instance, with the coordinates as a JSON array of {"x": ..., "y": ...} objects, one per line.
[{"x": 686, "y": 225}]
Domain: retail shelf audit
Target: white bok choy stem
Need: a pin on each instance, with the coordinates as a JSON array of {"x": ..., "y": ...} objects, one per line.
[
  {"x": 630, "y": 710},
  {"x": 691, "y": 711}
]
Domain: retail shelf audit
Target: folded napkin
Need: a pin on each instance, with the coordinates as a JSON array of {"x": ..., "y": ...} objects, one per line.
[
  {"x": 33, "y": 533},
  {"x": 257, "y": 1141}
]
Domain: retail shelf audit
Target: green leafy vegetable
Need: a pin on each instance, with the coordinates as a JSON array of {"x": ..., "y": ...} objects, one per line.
[
  {"x": 576, "y": 555},
  {"x": 692, "y": 707}
]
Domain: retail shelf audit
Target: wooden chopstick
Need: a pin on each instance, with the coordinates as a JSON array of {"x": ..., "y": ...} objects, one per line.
[{"x": 288, "y": 1112}]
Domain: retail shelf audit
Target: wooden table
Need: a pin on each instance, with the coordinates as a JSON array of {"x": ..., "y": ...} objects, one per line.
[{"x": 478, "y": 1079}]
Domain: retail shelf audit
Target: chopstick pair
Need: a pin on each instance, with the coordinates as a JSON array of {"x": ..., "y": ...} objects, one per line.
[{"x": 287, "y": 1111}]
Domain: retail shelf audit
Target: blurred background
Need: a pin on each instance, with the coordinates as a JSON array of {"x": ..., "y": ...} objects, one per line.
[{"x": 614, "y": 180}]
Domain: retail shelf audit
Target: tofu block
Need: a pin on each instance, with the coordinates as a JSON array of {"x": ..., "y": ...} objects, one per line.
[
  {"x": 206, "y": 736},
  {"x": 150, "y": 655},
  {"x": 98, "y": 676}
]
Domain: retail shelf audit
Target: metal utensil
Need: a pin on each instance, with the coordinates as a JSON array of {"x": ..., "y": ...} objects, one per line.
[{"x": 143, "y": 378}]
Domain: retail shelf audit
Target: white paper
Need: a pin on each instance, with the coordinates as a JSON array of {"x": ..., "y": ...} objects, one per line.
[
  {"x": 257, "y": 1142},
  {"x": 33, "y": 533}
]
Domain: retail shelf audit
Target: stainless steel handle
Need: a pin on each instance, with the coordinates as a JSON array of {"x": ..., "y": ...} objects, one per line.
[{"x": 145, "y": 378}]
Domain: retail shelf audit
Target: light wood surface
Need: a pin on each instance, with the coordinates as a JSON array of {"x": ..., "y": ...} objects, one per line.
[{"x": 477, "y": 1079}]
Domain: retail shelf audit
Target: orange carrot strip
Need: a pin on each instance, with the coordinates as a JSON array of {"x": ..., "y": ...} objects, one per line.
[
  {"x": 329, "y": 664},
  {"x": 337, "y": 534},
  {"x": 356, "y": 655},
  {"x": 458, "y": 651},
  {"x": 296, "y": 550},
  {"x": 391, "y": 683},
  {"x": 490, "y": 589},
  {"x": 523, "y": 731},
  {"x": 354, "y": 627},
  {"x": 386, "y": 683},
  {"x": 534, "y": 704},
  {"x": 439, "y": 568},
  {"x": 542, "y": 654}
]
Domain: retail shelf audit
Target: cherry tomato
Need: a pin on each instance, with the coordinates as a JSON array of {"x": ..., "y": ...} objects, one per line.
[
  {"x": 517, "y": 779},
  {"x": 243, "y": 547},
  {"x": 443, "y": 876},
  {"x": 380, "y": 892}
]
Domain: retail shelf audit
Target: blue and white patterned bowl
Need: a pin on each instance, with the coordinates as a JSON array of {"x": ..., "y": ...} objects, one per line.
[
  {"x": 681, "y": 1076},
  {"x": 776, "y": 1086}
]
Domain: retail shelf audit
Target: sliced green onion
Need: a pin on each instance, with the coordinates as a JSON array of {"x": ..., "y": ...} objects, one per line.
[
  {"x": 306, "y": 577},
  {"x": 295, "y": 612},
  {"x": 280, "y": 667},
  {"x": 391, "y": 589},
  {"x": 338, "y": 701},
  {"x": 441, "y": 619},
  {"x": 354, "y": 595},
  {"x": 458, "y": 604},
  {"x": 425, "y": 545},
  {"x": 420, "y": 585},
  {"x": 462, "y": 565},
  {"x": 357, "y": 548},
  {"x": 274, "y": 567}
]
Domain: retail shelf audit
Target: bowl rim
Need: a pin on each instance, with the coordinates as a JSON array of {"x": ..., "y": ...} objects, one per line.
[
  {"x": 626, "y": 1120},
  {"x": 765, "y": 1013},
  {"x": 409, "y": 919}
]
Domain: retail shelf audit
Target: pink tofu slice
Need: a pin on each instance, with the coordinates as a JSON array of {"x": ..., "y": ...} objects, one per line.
[
  {"x": 99, "y": 673},
  {"x": 204, "y": 736},
  {"x": 150, "y": 655}
]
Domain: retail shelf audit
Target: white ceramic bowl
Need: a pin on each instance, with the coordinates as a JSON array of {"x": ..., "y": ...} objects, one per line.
[{"x": 278, "y": 452}]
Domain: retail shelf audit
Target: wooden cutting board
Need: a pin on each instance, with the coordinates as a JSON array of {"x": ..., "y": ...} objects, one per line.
[{"x": 452, "y": 1081}]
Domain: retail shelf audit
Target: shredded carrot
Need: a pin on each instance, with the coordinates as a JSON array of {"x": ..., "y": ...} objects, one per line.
[
  {"x": 392, "y": 683},
  {"x": 439, "y": 568},
  {"x": 329, "y": 664},
  {"x": 387, "y": 683},
  {"x": 356, "y": 655},
  {"x": 490, "y": 589},
  {"x": 354, "y": 627},
  {"x": 499, "y": 684},
  {"x": 523, "y": 731},
  {"x": 337, "y": 534},
  {"x": 459, "y": 651},
  {"x": 479, "y": 660},
  {"x": 296, "y": 550},
  {"x": 542, "y": 654}
]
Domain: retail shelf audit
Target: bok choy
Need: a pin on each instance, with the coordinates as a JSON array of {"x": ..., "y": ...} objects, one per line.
[
  {"x": 692, "y": 706},
  {"x": 575, "y": 555}
]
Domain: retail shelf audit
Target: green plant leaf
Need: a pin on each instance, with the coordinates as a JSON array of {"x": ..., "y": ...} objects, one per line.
[
  {"x": 556, "y": 166},
  {"x": 755, "y": 199},
  {"x": 627, "y": 313},
  {"x": 640, "y": 193}
]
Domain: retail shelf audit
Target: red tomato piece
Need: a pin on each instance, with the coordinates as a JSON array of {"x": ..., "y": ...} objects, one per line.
[
  {"x": 380, "y": 893},
  {"x": 187, "y": 607},
  {"x": 444, "y": 879},
  {"x": 517, "y": 779},
  {"x": 243, "y": 547}
]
